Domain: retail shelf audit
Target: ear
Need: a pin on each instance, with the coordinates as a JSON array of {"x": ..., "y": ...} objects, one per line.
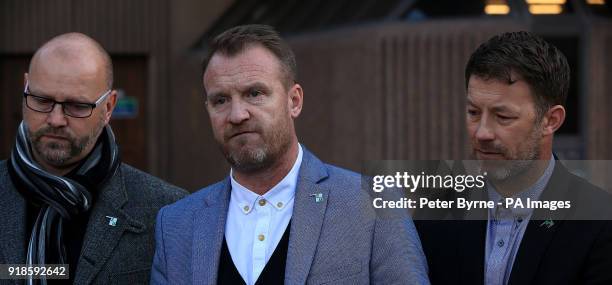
[
  {"x": 553, "y": 119},
  {"x": 25, "y": 80},
  {"x": 296, "y": 100},
  {"x": 111, "y": 101}
]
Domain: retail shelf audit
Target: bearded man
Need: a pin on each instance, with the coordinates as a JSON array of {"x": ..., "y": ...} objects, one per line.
[
  {"x": 66, "y": 197},
  {"x": 517, "y": 85},
  {"x": 282, "y": 216}
]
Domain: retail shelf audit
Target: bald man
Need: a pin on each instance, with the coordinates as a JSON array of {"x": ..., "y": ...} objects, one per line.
[{"x": 66, "y": 196}]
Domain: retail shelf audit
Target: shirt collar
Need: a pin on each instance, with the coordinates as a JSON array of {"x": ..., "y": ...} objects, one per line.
[
  {"x": 533, "y": 193},
  {"x": 278, "y": 197}
]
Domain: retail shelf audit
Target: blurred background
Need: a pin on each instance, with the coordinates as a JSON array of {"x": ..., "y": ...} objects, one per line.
[{"x": 382, "y": 79}]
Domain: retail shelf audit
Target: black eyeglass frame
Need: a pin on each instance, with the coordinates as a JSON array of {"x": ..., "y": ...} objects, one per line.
[{"x": 92, "y": 106}]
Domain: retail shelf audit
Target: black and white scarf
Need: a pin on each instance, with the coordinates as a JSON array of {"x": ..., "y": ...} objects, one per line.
[{"x": 61, "y": 197}]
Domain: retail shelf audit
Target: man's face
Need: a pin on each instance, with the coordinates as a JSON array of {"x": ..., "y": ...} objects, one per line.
[
  {"x": 250, "y": 107},
  {"x": 59, "y": 140},
  {"x": 502, "y": 126}
]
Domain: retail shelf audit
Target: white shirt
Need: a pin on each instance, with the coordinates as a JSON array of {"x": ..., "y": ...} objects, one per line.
[{"x": 255, "y": 224}]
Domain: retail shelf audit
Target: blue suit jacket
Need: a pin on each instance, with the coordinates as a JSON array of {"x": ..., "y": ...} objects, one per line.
[{"x": 338, "y": 240}]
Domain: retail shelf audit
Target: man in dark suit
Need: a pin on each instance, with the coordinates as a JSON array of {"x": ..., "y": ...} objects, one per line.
[
  {"x": 66, "y": 196},
  {"x": 282, "y": 216},
  {"x": 517, "y": 85}
]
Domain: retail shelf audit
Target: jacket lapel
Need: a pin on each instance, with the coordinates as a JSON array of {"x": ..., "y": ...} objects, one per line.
[
  {"x": 307, "y": 219},
  {"x": 471, "y": 228},
  {"x": 541, "y": 229},
  {"x": 473, "y": 234},
  {"x": 107, "y": 223},
  {"x": 209, "y": 228}
]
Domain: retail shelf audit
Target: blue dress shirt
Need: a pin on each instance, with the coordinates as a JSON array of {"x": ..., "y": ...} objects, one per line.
[{"x": 506, "y": 227}]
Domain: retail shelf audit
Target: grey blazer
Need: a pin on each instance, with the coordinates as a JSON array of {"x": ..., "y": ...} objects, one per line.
[
  {"x": 338, "y": 240},
  {"x": 120, "y": 254}
]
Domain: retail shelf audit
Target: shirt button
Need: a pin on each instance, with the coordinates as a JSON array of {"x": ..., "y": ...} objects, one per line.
[
  {"x": 500, "y": 243},
  {"x": 261, "y": 237},
  {"x": 246, "y": 208},
  {"x": 262, "y": 202},
  {"x": 279, "y": 204}
]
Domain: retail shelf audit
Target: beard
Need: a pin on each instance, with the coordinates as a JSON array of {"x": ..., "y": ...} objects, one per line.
[
  {"x": 514, "y": 163},
  {"x": 60, "y": 153},
  {"x": 247, "y": 154}
]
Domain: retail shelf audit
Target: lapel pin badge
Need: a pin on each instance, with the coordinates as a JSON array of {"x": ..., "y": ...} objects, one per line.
[
  {"x": 318, "y": 197},
  {"x": 112, "y": 221},
  {"x": 548, "y": 224}
]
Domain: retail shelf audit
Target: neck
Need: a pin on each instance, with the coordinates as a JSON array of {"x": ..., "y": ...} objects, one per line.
[
  {"x": 263, "y": 180},
  {"x": 513, "y": 185},
  {"x": 58, "y": 171}
]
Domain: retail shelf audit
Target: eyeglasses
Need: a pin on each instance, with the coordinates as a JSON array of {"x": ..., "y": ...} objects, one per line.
[{"x": 72, "y": 109}]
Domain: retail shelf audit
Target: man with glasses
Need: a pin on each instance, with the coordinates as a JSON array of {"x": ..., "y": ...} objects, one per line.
[{"x": 66, "y": 196}]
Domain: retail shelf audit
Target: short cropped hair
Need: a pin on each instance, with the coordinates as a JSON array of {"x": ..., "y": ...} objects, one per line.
[
  {"x": 540, "y": 64},
  {"x": 236, "y": 39}
]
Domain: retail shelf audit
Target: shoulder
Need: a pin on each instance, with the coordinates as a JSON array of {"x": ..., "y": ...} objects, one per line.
[
  {"x": 586, "y": 201},
  {"x": 339, "y": 173},
  {"x": 148, "y": 188},
  {"x": 582, "y": 189},
  {"x": 178, "y": 217},
  {"x": 341, "y": 183},
  {"x": 340, "y": 179},
  {"x": 591, "y": 200},
  {"x": 197, "y": 199}
]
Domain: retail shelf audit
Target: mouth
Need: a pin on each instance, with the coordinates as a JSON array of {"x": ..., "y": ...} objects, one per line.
[
  {"x": 486, "y": 154},
  {"x": 55, "y": 137},
  {"x": 237, "y": 134}
]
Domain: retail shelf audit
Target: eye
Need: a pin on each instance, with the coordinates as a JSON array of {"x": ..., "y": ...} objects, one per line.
[
  {"x": 77, "y": 106},
  {"x": 41, "y": 100},
  {"x": 220, "y": 101},
  {"x": 78, "y": 110},
  {"x": 505, "y": 119},
  {"x": 254, "y": 93},
  {"x": 217, "y": 100},
  {"x": 472, "y": 112}
]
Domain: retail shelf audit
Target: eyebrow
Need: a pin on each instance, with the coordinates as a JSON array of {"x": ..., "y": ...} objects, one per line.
[
  {"x": 502, "y": 109},
  {"x": 79, "y": 100},
  {"x": 258, "y": 86},
  {"x": 496, "y": 109},
  {"x": 255, "y": 85},
  {"x": 214, "y": 95}
]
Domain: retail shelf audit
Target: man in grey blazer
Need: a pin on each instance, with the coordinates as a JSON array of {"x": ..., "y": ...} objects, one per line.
[
  {"x": 66, "y": 196},
  {"x": 282, "y": 215}
]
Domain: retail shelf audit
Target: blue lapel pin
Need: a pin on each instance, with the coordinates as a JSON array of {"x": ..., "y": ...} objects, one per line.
[
  {"x": 318, "y": 197},
  {"x": 112, "y": 221}
]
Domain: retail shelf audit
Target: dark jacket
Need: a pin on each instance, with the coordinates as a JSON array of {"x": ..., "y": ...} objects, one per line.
[
  {"x": 575, "y": 250},
  {"x": 119, "y": 254}
]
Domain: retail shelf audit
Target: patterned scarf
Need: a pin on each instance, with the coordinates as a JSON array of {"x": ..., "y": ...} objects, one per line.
[{"x": 61, "y": 197}]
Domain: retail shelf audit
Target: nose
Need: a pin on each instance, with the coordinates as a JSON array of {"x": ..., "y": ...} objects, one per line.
[
  {"x": 484, "y": 132},
  {"x": 238, "y": 113},
  {"x": 57, "y": 118}
]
